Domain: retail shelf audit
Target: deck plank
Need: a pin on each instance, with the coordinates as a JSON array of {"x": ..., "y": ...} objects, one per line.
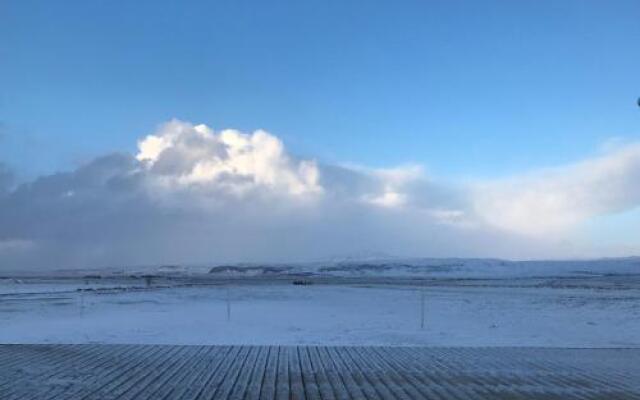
[
  {"x": 268, "y": 387},
  {"x": 166, "y": 372},
  {"x": 283, "y": 385}
]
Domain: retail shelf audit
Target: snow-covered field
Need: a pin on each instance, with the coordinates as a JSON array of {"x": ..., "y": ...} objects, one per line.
[{"x": 595, "y": 312}]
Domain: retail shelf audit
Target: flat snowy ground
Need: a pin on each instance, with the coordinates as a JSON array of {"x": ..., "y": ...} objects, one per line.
[{"x": 281, "y": 313}]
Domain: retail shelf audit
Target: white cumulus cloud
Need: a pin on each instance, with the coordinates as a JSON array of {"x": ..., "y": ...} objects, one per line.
[{"x": 182, "y": 153}]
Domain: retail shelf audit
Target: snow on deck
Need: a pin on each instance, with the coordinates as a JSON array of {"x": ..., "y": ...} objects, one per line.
[{"x": 315, "y": 372}]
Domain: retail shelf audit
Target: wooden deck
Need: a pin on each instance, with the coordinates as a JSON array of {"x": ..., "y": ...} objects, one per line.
[{"x": 42, "y": 372}]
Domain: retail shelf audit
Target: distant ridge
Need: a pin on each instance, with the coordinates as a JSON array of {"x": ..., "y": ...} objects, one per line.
[{"x": 370, "y": 265}]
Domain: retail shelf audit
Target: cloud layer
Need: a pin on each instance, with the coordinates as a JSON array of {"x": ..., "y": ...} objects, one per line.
[
  {"x": 194, "y": 195},
  {"x": 556, "y": 200}
]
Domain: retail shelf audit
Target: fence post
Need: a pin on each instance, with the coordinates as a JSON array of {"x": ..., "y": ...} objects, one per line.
[
  {"x": 228, "y": 305},
  {"x": 422, "y": 308},
  {"x": 81, "y": 304}
]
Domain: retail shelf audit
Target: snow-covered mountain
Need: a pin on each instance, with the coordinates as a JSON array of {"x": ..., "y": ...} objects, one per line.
[{"x": 375, "y": 267}]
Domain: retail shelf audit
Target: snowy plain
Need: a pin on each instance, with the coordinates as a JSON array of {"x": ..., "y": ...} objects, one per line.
[{"x": 580, "y": 309}]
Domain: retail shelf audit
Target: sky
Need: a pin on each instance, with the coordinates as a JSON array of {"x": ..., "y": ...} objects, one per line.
[{"x": 426, "y": 128}]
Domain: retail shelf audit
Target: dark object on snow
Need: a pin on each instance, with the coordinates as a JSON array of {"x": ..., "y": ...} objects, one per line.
[
  {"x": 148, "y": 279},
  {"x": 302, "y": 282}
]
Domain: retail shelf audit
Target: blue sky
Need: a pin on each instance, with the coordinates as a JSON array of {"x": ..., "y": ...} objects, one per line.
[
  {"x": 426, "y": 128},
  {"x": 465, "y": 88}
]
